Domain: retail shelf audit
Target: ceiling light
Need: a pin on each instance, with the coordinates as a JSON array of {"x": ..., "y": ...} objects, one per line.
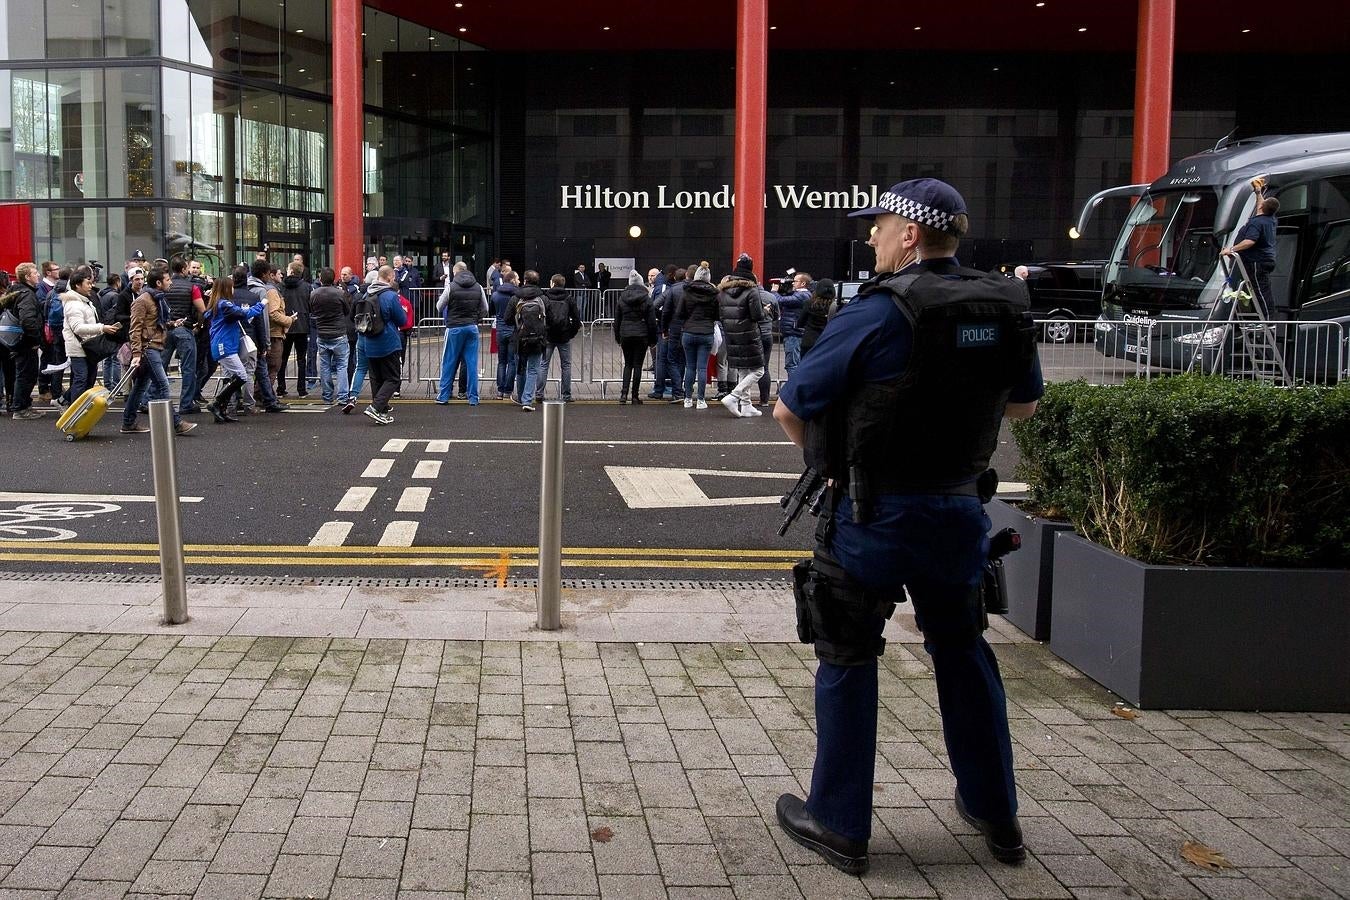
[
  {"x": 1038, "y": 5},
  {"x": 462, "y": 30},
  {"x": 1081, "y": 30},
  {"x": 605, "y": 28},
  {"x": 635, "y": 231},
  {"x": 773, "y": 27},
  {"x": 459, "y": 6},
  {"x": 995, "y": 68},
  {"x": 302, "y": 71},
  {"x": 918, "y": 28},
  {"x": 299, "y": 31},
  {"x": 1246, "y": 31}
]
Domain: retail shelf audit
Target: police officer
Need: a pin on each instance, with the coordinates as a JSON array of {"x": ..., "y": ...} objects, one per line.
[{"x": 899, "y": 403}]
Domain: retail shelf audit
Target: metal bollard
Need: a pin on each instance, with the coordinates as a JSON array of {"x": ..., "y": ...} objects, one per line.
[
  {"x": 167, "y": 514},
  {"x": 549, "y": 597}
]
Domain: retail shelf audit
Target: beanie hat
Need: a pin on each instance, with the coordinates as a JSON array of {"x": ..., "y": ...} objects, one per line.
[
  {"x": 703, "y": 274},
  {"x": 825, "y": 289},
  {"x": 745, "y": 268},
  {"x": 635, "y": 277}
]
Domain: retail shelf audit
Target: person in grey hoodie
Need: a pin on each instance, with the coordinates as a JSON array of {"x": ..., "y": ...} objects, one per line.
[{"x": 463, "y": 304}]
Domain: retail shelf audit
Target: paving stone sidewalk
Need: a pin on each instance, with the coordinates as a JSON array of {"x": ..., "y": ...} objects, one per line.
[{"x": 298, "y": 767}]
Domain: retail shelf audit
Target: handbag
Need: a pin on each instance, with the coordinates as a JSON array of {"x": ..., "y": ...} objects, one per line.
[
  {"x": 99, "y": 347},
  {"x": 247, "y": 344},
  {"x": 11, "y": 332}
]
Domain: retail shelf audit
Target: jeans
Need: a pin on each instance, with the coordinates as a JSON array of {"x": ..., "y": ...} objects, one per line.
[
  {"x": 673, "y": 384},
  {"x": 792, "y": 354},
  {"x": 312, "y": 355},
  {"x": 81, "y": 376},
  {"x": 385, "y": 375},
  {"x": 358, "y": 374},
  {"x": 149, "y": 373},
  {"x": 461, "y": 343},
  {"x": 300, "y": 343},
  {"x": 748, "y": 377},
  {"x": 506, "y": 361},
  {"x": 25, "y": 377},
  {"x": 262, "y": 376},
  {"x": 766, "y": 344},
  {"x": 528, "y": 377},
  {"x": 565, "y": 354},
  {"x": 112, "y": 372},
  {"x": 183, "y": 342},
  {"x": 697, "y": 349},
  {"x": 332, "y": 361}
]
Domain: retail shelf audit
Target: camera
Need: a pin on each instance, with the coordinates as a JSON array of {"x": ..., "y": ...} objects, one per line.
[{"x": 95, "y": 266}]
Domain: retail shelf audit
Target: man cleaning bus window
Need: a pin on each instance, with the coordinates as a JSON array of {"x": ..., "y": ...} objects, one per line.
[{"x": 1255, "y": 246}]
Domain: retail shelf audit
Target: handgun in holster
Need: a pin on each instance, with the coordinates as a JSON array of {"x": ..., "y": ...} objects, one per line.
[
  {"x": 839, "y": 616},
  {"x": 994, "y": 584}
]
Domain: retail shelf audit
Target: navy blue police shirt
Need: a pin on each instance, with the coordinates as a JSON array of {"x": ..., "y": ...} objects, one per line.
[
  {"x": 1261, "y": 230},
  {"x": 941, "y": 539},
  {"x": 870, "y": 340}
]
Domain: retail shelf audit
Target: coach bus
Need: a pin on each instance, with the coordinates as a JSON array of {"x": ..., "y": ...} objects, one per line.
[{"x": 1163, "y": 294}]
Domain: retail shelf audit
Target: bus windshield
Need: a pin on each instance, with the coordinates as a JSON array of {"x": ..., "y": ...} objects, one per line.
[{"x": 1167, "y": 252}]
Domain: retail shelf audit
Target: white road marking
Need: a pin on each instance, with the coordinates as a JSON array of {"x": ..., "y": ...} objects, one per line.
[
  {"x": 355, "y": 499},
  {"x": 443, "y": 446},
  {"x": 428, "y": 468},
  {"x": 25, "y": 497},
  {"x": 331, "y": 534},
  {"x": 378, "y": 468},
  {"x": 398, "y": 534},
  {"x": 414, "y": 499},
  {"x": 662, "y": 488}
]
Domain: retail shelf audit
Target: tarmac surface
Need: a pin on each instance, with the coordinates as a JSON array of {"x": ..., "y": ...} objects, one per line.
[{"x": 654, "y": 491}]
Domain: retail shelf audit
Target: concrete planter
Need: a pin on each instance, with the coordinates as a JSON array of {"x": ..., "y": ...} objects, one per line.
[
  {"x": 1028, "y": 571},
  {"x": 1180, "y": 637}
]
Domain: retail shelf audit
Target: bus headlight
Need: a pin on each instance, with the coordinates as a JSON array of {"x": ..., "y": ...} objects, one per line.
[{"x": 1210, "y": 337}]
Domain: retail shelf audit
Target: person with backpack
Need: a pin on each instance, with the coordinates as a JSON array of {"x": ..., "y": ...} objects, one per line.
[
  {"x": 378, "y": 321},
  {"x": 502, "y": 296},
  {"x": 463, "y": 304},
  {"x": 527, "y": 313},
  {"x": 634, "y": 332},
  {"x": 20, "y": 337},
  {"x": 563, "y": 321}
]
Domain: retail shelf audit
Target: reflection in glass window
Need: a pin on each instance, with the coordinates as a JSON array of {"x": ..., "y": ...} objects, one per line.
[
  {"x": 74, "y": 29},
  {"x": 56, "y": 134},
  {"x": 130, "y": 27},
  {"x": 22, "y": 21},
  {"x": 132, "y": 123}
]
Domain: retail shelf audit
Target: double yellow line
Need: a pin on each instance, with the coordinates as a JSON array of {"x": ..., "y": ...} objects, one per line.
[{"x": 495, "y": 560}]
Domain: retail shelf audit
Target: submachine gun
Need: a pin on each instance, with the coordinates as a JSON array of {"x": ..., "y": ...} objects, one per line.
[{"x": 809, "y": 494}]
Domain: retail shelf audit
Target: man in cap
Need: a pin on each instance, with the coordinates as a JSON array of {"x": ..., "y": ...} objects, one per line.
[{"x": 899, "y": 403}]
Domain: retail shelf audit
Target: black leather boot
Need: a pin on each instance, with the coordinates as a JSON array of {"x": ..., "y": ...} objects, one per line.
[
  {"x": 845, "y": 855},
  {"x": 1004, "y": 839}
]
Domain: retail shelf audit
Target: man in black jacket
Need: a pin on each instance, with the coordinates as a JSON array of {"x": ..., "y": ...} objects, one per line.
[
  {"x": 295, "y": 291},
  {"x": 670, "y": 364},
  {"x": 564, "y": 321},
  {"x": 20, "y": 362}
]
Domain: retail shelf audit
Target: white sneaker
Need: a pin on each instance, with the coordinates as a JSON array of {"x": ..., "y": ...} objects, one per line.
[
  {"x": 750, "y": 411},
  {"x": 689, "y": 403},
  {"x": 702, "y": 404},
  {"x": 733, "y": 404}
]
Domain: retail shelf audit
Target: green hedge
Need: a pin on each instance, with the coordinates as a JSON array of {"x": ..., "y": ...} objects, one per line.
[{"x": 1196, "y": 470}]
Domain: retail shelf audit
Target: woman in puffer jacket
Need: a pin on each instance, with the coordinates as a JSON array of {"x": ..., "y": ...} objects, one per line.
[
  {"x": 740, "y": 309},
  {"x": 635, "y": 331},
  {"x": 697, "y": 310},
  {"x": 81, "y": 324}
]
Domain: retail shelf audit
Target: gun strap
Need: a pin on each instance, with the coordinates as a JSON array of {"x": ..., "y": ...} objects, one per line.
[{"x": 825, "y": 521}]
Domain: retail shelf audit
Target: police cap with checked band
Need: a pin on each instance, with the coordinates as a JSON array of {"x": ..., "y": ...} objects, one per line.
[{"x": 924, "y": 200}]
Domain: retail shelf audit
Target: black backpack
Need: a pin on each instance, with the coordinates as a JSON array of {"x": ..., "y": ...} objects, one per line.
[
  {"x": 369, "y": 322},
  {"x": 558, "y": 319},
  {"x": 531, "y": 329}
]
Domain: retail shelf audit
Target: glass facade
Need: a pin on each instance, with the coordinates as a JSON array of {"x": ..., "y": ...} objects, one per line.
[{"x": 203, "y": 125}]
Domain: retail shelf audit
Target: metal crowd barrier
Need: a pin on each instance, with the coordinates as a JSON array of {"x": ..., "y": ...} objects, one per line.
[
  {"x": 426, "y": 349},
  {"x": 1110, "y": 352}
]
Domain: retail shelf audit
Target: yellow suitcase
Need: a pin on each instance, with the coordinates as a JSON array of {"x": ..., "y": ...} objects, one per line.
[{"x": 85, "y": 412}]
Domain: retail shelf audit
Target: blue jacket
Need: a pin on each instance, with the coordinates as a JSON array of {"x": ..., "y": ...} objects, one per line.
[
  {"x": 501, "y": 299},
  {"x": 407, "y": 278},
  {"x": 790, "y": 308},
  {"x": 225, "y": 319},
  {"x": 387, "y": 341}
]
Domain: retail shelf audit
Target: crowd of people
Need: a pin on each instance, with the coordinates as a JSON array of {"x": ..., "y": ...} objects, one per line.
[{"x": 61, "y": 334}]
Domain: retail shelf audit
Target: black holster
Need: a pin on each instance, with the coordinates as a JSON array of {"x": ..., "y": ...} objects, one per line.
[{"x": 842, "y": 619}]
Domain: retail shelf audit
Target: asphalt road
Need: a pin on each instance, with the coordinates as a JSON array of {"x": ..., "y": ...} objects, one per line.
[{"x": 655, "y": 491}]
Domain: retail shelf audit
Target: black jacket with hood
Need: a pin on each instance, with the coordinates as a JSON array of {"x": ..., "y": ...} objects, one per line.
[
  {"x": 635, "y": 315},
  {"x": 23, "y": 302},
  {"x": 698, "y": 307},
  {"x": 553, "y": 296},
  {"x": 295, "y": 290},
  {"x": 739, "y": 309}
]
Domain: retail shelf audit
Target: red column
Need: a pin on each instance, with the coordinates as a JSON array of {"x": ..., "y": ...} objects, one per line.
[
  {"x": 1153, "y": 88},
  {"x": 347, "y": 136},
  {"x": 752, "y": 108}
]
